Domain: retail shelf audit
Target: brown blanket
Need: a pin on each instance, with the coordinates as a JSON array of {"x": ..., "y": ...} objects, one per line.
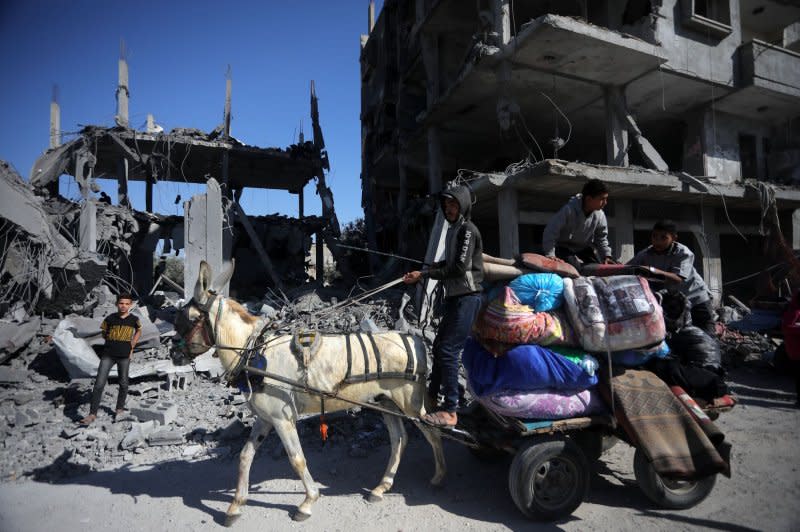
[{"x": 657, "y": 422}]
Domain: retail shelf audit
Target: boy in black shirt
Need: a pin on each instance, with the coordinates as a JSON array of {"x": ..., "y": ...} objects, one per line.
[
  {"x": 121, "y": 331},
  {"x": 461, "y": 273}
]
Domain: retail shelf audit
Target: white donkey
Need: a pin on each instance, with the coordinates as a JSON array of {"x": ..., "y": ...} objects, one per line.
[{"x": 385, "y": 368}]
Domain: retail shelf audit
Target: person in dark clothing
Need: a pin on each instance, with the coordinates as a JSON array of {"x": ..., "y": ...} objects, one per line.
[
  {"x": 461, "y": 272},
  {"x": 121, "y": 332}
]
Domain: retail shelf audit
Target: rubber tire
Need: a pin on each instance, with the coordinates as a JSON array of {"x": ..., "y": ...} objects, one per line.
[
  {"x": 530, "y": 487},
  {"x": 686, "y": 494}
]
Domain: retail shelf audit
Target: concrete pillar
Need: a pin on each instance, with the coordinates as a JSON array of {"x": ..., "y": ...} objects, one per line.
[
  {"x": 371, "y": 15},
  {"x": 796, "y": 229},
  {"x": 402, "y": 203},
  {"x": 122, "y": 94},
  {"x": 228, "y": 90},
  {"x": 300, "y": 205},
  {"x": 122, "y": 182},
  {"x": 55, "y": 120},
  {"x": 402, "y": 178},
  {"x": 508, "y": 222},
  {"x": 712, "y": 261},
  {"x": 434, "y": 160},
  {"x": 419, "y": 10},
  {"x": 430, "y": 58},
  {"x": 320, "y": 257},
  {"x": 87, "y": 227},
  {"x": 616, "y": 132},
  {"x": 202, "y": 234},
  {"x": 148, "y": 193},
  {"x": 502, "y": 19},
  {"x": 623, "y": 230},
  {"x": 142, "y": 258}
]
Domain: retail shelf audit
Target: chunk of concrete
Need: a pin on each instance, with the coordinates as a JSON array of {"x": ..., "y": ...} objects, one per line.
[
  {"x": 154, "y": 410},
  {"x": 138, "y": 434},
  {"x": 164, "y": 436},
  {"x": 15, "y": 336},
  {"x": 12, "y": 376}
]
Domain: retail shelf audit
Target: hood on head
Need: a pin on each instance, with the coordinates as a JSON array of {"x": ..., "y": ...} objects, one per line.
[{"x": 462, "y": 195}]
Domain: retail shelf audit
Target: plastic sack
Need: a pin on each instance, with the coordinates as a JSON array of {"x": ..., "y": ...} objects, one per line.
[
  {"x": 542, "y": 291},
  {"x": 693, "y": 347},
  {"x": 632, "y": 358}
]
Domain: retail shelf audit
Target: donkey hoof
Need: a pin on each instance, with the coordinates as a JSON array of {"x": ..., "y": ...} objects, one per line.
[
  {"x": 300, "y": 516},
  {"x": 374, "y": 497},
  {"x": 230, "y": 519}
]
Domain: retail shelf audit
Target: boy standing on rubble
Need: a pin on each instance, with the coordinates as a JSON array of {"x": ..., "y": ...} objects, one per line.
[
  {"x": 462, "y": 274},
  {"x": 675, "y": 262},
  {"x": 578, "y": 232},
  {"x": 121, "y": 331}
]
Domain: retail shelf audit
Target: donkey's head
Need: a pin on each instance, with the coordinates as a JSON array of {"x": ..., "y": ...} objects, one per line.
[{"x": 195, "y": 323}]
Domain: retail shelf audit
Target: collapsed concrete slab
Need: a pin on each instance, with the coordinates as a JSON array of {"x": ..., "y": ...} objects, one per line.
[{"x": 15, "y": 336}]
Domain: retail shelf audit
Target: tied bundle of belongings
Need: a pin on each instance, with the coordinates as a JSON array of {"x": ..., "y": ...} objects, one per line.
[
  {"x": 511, "y": 370},
  {"x": 540, "y": 324}
]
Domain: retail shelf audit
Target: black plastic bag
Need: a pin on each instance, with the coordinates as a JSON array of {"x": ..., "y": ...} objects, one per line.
[{"x": 693, "y": 347}]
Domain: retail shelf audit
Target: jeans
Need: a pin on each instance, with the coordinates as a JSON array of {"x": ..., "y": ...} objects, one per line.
[
  {"x": 459, "y": 313},
  {"x": 106, "y": 363},
  {"x": 703, "y": 317}
]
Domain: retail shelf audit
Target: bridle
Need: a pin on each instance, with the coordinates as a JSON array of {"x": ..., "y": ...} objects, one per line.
[{"x": 202, "y": 324}]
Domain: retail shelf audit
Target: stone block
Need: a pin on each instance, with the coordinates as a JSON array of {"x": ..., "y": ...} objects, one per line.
[
  {"x": 154, "y": 410},
  {"x": 138, "y": 434},
  {"x": 164, "y": 436}
]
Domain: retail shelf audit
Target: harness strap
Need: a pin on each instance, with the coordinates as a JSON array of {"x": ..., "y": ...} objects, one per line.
[
  {"x": 366, "y": 355},
  {"x": 347, "y": 375},
  {"x": 377, "y": 353},
  {"x": 410, "y": 354}
]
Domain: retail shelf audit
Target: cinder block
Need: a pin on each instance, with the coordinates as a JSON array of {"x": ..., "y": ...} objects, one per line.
[
  {"x": 154, "y": 410},
  {"x": 178, "y": 381}
]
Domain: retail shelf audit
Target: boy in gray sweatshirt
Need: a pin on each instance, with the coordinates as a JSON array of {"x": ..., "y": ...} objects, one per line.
[{"x": 578, "y": 232}]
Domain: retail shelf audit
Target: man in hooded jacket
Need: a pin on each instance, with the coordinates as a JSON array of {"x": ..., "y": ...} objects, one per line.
[{"x": 461, "y": 272}]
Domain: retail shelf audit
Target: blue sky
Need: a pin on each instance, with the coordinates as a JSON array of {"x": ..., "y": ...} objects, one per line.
[{"x": 178, "y": 52}]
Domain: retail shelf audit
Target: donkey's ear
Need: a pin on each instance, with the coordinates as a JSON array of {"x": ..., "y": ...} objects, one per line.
[
  {"x": 223, "y": 278},
  {"x": 203, "y": 282}
]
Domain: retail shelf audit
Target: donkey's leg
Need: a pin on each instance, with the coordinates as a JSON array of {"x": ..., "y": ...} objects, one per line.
[
  {"x": 287, "y": 430},
  {"x": 259, "y": 433},
  {"x": 398, "y": 439},
  {"x": 435, "y": 439}
]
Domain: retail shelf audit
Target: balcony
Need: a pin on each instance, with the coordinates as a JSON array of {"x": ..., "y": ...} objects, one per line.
[{"x": 769, "y": 80}]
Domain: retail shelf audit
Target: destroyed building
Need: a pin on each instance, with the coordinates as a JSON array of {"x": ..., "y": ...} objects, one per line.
[
  {"x": 687, "y": 109},
  {"x": 56, "y": 251}
]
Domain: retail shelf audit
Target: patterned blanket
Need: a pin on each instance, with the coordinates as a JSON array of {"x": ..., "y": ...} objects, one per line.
[
  {"x": 507, "y": 321},
  {"x": 657, "y": 422}
]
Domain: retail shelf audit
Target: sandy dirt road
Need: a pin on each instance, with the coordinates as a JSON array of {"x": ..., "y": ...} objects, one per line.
[{"x": 193, "y": 495}]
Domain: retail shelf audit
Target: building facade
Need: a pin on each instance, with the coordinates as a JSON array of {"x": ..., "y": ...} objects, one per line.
[{"x": 687, "y": 109}]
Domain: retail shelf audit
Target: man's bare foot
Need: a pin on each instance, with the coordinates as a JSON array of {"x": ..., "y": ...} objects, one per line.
[{"x": 87, "y": 420}]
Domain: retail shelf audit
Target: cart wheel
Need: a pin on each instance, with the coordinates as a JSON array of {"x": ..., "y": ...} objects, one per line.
[
  {"x": 666, "y": 493},
  {"x": 549, "y": 479}
]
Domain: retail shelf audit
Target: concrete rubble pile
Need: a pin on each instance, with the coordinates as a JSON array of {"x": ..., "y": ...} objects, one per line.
[
  {"x": 42, "y": 265},
  {"x": 175, "y": 412}
]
